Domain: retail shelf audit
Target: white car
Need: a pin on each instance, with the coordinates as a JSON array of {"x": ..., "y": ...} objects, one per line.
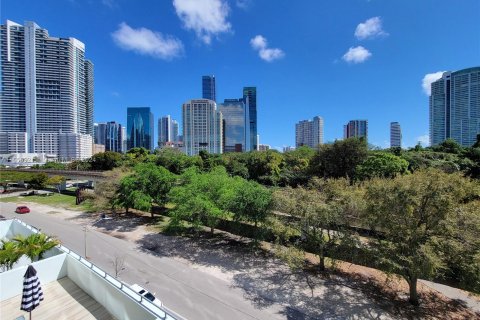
[{"x": 147, "y": 295}]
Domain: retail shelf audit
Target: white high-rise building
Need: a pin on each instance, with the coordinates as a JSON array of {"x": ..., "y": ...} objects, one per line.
[
  {"x": 455, "y": 107},
  {"x": 46, "y": 88},
  {"x": 395, "y": 135},
  {"x": 202, "y": 127},
  {"x": 309, "y": 132}
]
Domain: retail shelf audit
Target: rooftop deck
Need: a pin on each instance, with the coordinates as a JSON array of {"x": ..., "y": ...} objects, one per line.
[{"x": 63, "y": 299}]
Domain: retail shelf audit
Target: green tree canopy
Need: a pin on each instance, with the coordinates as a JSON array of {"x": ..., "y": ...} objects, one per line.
[
  {"x": 106, "y": 160},
  {"x": 414, "y": 212},
  {"x": 381, "y": 164}
]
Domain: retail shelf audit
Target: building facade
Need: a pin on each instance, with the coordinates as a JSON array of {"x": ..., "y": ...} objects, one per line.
[
  {"x": 99, "y": 133},
  {"x": 46, "y": 88},
  {"x": 202, "y": 127},
  {"x": 250, "y": 99},
  {"x": 395, "y": 135},
  {"x": 309, "y": 133},
  {"x": 139, "y": 128},
  {"x": 234, "y": 125},
  {"x": 454, "y": 107},
  {"x": 356, "y": 128},
  {"x": 209, "y": 90},
  {"x": 167, "y": 131},
  {"x": 113, "y": 137}
]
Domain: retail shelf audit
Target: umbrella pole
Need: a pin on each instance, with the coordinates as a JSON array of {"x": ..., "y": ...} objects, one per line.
[{"x": 30, "y": 315}]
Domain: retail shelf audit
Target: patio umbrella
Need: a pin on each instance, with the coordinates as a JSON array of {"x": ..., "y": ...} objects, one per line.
[{"x": 32, "y": 292}]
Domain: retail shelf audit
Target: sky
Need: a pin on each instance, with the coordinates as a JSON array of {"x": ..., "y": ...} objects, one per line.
[{"x": 338, "y": 59}]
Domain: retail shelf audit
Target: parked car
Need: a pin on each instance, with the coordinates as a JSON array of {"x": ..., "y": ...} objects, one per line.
[
  {"x": 147, "y": 295},
  {"x": 22, "y": 209}
]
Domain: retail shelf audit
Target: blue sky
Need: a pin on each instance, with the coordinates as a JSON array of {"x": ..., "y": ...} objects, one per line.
[{"x": 341, "y": 60}]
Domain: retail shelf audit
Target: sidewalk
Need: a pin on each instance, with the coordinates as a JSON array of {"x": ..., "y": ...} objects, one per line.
[{"x": 455, "y": 294}]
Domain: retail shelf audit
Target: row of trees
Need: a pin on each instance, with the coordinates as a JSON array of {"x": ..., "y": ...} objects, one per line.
[
  {"x": 348, "y": 158},
  {"x": 34, "y": 180},
  {"x": 33, "y": 246},
  {"x": 425, "y": 224}
]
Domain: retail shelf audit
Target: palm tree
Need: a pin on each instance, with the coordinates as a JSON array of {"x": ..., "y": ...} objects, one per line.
[
  {"x": 35, "y": 245},
  {"x": 9, "y": 254}
]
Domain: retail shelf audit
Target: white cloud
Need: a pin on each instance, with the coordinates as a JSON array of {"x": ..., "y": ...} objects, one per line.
[
  {"x": 356, "y": 55},
  {"x": 370, "y": 29},
  {"x": 424, "y": 140},
  {"x": 243, "y": 4},
  {"x": 109, "y": 3},
  {"x": 207, "y": 18},
  {"x": 148, "y": 42},
  {"x": 428, "y": 79},
  {"x": 260, "y": 44}
]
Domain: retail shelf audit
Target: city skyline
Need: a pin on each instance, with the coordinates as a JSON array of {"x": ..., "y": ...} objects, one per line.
[{"x": 367, "y": 40}]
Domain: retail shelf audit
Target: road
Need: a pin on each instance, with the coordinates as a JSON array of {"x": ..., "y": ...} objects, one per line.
[{"x": 189, "y": 292}]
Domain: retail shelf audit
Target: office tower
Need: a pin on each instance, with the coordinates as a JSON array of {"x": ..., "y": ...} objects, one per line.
[
  {"x": 250, "y": 97},
  {"x": 288, "y": 149},
  {"x": 46, "y": 89},
  {"x": 167, "y": 131},
  {"x": 455, "y": 107},
  {"x": 356, "y": 128},
  {"x": 175, "y": 131},
  {"x": 139, "y": 128},
  {"x": 309, "y": 132},
  {"x": 234, "y": 133},
  {"x": 263, "y": 147},
  {"x": 113, "y": 137},
  {"x": 208, "y": 88},
  {"x": 202, "y": 126},
  {"x": 395, "y": 135},
  {"x": 164, "y": 131},
  {"x": 124, "y": 139},
  {"x": 99, "y": 133}
]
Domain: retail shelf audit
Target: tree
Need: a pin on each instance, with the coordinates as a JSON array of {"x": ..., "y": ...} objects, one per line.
[
  {"x": 107, "y": 189},
  {"x": 449, "y": 146},
  {"x": 9, "y": 254},
  {"x": 339, "y": 159},
  {"x": 201, "y": 198},
  {"x": 39, "y": 180},
  {"x": 321, "y": 213},
  {"x": 413, "y": 213},
  {"x": 296, "y": 169},
  {"x": 250, "y": 201},
  {"x": 383, "y": 165},
  {"x": 176, "y": 161},
  {"x": 35, "y": 245},
  {"x": 56, "y": 181},
  {"x": 54, "y": 165},
  {"x": 264, "y": 167},
  {"x": 147, "y": 184},
  {"x": 106, "y": 160}
]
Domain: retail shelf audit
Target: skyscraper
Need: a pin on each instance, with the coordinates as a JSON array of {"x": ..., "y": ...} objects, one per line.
[
  {"x": 139, "y": 128},
  {"x": 46, "y": 89},
  {"x": 356, "y": 128},
  {"x": 250, "y": 97},
  {"x": 234, "y": 125},
  {"x": 202, "y": 126},
  {"x": 113, "y": 137},
  {"x": 99, "y": 133},
  {"x": 167, "y": 131},
  {"x": 455, "y": 107},
  {"x": 208, "y": 88},
  {"x": 309, "y": 133},
  {"x": 395, "y": 135}
]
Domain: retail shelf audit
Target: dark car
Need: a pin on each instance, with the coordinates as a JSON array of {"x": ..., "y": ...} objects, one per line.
[{"x": 22, "y": 209}]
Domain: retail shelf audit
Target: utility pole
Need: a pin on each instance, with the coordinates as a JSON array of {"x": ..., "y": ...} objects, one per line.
[{"x": 85, "y": 240}]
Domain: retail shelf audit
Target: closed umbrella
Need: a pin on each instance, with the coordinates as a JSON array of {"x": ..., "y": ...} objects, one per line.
[{"x": 32, "y": 292}]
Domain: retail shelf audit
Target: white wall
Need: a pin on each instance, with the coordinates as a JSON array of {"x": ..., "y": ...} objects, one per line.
[
  {"x": 48, "y": 270},
  {"x": 114, "y": 300}
]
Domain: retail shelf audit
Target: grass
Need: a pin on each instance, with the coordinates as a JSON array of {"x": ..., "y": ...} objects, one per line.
[{"x": 55, "y": 200}]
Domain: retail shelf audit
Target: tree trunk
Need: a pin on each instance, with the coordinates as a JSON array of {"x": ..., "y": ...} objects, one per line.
[
  {"x": 412, "y": 283},
  {"x": 126, "y": 210},
  {"x": 321, "y": 266},
  {"x": 211, "y": 231}
]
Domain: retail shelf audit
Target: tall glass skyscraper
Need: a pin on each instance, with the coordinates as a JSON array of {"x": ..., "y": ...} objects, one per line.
[
  {"x": 202, "y": 127},
  {"x": 167, "y": 131},
  {"x": 234, "y": 125},
  {"x": 309, "y": 133},
  {"x": 46, "y": 88},
  {"x": 395, "y": 135},
  {"x": 455, "y": 107},
  {"x": 356, "y": 128},
  {"x": 250, "y": 98},
  {"x": 139, "y": 128},
  {"x": 209, "y": 90}
]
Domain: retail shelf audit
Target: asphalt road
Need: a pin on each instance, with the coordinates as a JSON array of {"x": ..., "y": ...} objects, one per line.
[{"x": 189, "y": 292}]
